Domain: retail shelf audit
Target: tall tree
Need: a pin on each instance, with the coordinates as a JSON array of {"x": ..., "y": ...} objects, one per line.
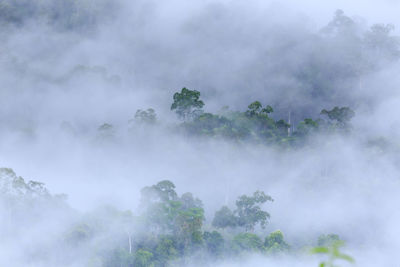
[
  {"x": 187, "y": 104},
  {"x": 249, "y": 212}
]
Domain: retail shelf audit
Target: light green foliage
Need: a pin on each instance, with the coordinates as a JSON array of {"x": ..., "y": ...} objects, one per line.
[
  {"x": 333, "y": 254},
  {"x": 275, "y": 243},
  {"x": 187, "y": 104},
  {"x": 249, "y": 212},
  {"x": 143, "y": 258}
]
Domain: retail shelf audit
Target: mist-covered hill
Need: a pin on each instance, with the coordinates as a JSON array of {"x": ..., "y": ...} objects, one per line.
[{"x": 203, "y": 133}]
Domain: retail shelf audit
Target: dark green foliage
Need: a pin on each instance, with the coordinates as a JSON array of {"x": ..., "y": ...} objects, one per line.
[
  {"x": 187, "y": 104},
  {"x": 341, "y": 115},
  {"x": 339, "y": 118},
  {"x": 252, "y": 125},
  {"x": 275, "y": 243}
]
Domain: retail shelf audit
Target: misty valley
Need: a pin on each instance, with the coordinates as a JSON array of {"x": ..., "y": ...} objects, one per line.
[{"x": 206, "y": 133}]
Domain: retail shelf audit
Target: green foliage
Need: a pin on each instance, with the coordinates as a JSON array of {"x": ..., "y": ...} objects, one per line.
[
  {"x": 143, "y": 258},
  {"x": 166, "y": 250},
  {"x": 214, "y": 243},
  {"x": 249, "y": 212},
  {"x": 169, "y": 214},
  {"x": 252, "y": 125},
  {"x": 187, "y": 104},
  {"x": 341, "y": 115},
  {"x": 275, "y": 243},
  {"x": 307, "y": 127},
  {"x": 333, "y": 254},
  {"x": 224, "y": 218},
  {"x": 247, "y": 242}
]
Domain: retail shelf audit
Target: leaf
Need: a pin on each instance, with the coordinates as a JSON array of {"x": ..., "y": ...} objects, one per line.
[{"x": 319, "y": 250}]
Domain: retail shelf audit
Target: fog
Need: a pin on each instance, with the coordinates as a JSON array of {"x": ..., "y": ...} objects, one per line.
[{"x": 67, "y": 68}]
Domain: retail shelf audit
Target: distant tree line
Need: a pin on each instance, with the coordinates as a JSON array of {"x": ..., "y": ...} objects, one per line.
[
  {"x": 167, "y": 230},
  {"x": 254, "y": 125}
]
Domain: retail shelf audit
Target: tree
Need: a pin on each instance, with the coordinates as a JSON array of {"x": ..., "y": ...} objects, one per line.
[
  {"x": 249, "y": 212},
  {"x": 247, "y": 242},
  {"x": 255, "y": 108},
  {"x": 379, "y": 41},
  {"x": 187, "y": 104},
  {"x": 224, "y": 218},
  {"x": 166, "y": 250},
  {"x": 145, "y": 116},
  {"x": 306, "y": 127},
  {"x": 214, "y": 242},
  {"x": 275, "y": 243},
  {"x": 169, "y": 214},
  {"x": 143, "y": 258},
  {"x": 339, "y": 116},
  {"x": 105, "y": 131}
]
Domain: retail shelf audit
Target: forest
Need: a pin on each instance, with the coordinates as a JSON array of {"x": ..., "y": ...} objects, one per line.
[{"x": 206, "y": 133}]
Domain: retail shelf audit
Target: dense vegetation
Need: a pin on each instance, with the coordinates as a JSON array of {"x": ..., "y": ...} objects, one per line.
[
  {"x": 167, "y": 229},
  {"x": 255, "y": 125},
  {"x": 299, "y": 86}
]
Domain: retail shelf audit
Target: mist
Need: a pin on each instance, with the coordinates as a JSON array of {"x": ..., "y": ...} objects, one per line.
[{"x": 73, "y": 76}]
